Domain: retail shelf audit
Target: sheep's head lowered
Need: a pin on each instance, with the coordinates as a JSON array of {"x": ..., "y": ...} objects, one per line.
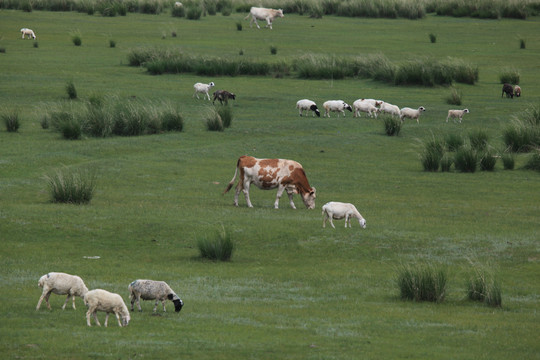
[{"x": 178, "y": 303}]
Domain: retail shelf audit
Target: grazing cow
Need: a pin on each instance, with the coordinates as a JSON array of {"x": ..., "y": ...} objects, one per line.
[
  {"x": 509, "y": 90},
  {"x": 269, "y": 174},
  {"x": 223, "y": 95},
  {"x": 28, "y": 32},
  {"x": 258, "y": 13}
]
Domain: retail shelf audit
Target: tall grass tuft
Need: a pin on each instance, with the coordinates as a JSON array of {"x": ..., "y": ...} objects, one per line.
[
  {"x": 510, "y": 76},
  {"x": 112, "y": 43},
  {"x": 71, "y": 186},
  {"x": 455, "y": 97},
  {"x": 479, "y": 140},
  {"x": 178, "y": 11},
  {"x": 66, "y": 124},
  {"x": 239, "y": 26},
  {"x": 220, "y": 247},
  {"x": 432, "y": 154},
  {"x": 432, "y": 38},
  {"x": 488, "y": 160},
  {"x": 213, "y": 121},
  {"x": 533, "y": 163},
  {"x": 446, "y": 162},
  {"x": 422, "y": 282},
  {"x": 484, "y": 288},
  {"x": 11, "y": 121},
  {"x": 194, "y": 11},
  {"x": 273, "y": 50},
  {"x": 466, "y": 159},
  {"x": 508, "y": 159},
  {"x": 522, "y": 44},
  {"x": 172, "y": 120},
  {"x": 392, "y": 126},
  {"x": 71, "y": 90},
  {"x": 453, "y": 141},
  {"x": 76, "y": 39},
  {"x": 226, "y": 114}
]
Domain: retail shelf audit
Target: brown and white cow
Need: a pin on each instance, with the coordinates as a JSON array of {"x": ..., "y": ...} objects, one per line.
[{"x": 269, "y": 174}]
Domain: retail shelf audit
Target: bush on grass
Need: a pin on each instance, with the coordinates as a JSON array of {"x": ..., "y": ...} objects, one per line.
[
  {"x": 432, "y": 154},
  {"x": 466, "y": 159},
  {"x": 226, "y": 114},
  {"x": 70, "y": 186},
  {"x": 11, "y": 121},
  {"x": 478, "y": 140},
  {"x": 488, "y": 160},
  {"x": 455, "y": 97},
  {"x": 510, "y": 76},
  {"x": 220, "y": 247},
  {"x": 533, "y": 163},
  {"x": 71, "y": 90},
  {"x": 422, "y": 282},
  {"x": 453, "y": 142},
  {"x": 392, "y": 125},
  {"x": 213, "y": 121},
  {"x": 484, "y": 288}
]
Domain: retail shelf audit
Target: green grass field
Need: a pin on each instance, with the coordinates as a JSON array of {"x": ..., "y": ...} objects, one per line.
[{"x": 292, "y": 290}]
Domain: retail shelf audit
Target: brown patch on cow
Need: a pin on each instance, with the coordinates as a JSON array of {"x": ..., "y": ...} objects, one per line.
[
  {"x": 246, "y": 161},
  {"x": 273, "y": 163},
  {"x": 291, "y": 167},
  {"x": 299, "y": 179}
]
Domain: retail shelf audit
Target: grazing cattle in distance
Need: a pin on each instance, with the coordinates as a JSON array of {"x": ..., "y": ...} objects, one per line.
[
  {"x": 266, "y": 174},
  {"x": 509, "y": 90},
  {"x": 258, "y": 13},
  {"x": 223, "y": 95},
  {"x": 28, "y": 32}
]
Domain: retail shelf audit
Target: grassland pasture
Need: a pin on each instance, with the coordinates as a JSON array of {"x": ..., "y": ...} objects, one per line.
[{"x": 292, "y": 290}]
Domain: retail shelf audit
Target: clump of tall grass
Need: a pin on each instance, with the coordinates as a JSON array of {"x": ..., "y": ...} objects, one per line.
[
  {"x": 35, "y": 44},
  {"x": 2, "y": 50},
  {"x": 238, "y": 26},
  {"x": 392, "y": 126},
  {"x": 178, "y": 11},
  {"x": 112, "y": 43},
  {"x": 446, "y": 162},
  {"x": 533, "y": 163},
  {"x": 431, "y": 155},
  {"x": 71, "y": 186},
  {"x": 523, "y": 134},
  {"x": 194, "y": 11},
  {"x": 11, "y": 121},
  {"x": 76, "y": 39},
  {"x": 431, "y": 72},
  {"x": 466, "y": 159},
  {"x": 522, "y": 44},
  {"x": 455, "y": 97},
  {"x": 453, "y": 141},
  {"x": 482, "y": 287},
  {"x": 71, "y": 90},
  {"x": 432, "y": 38},
  {"x": 213, "y": 121},
  {"x": 172, "y": 120},
  {"x": 510, "y": 76},
  {"x": 273, "y": 49},
  {"x": 422, "y": 282},
  {"x": 487, "y": 160},
  {"x": 478, "y": 140},
  {"x": 508, "y": 159},
  {"x": 96, "y": 121},
  {"x": 65, "y": 123},
  {"x": 221, "y": 247},
  {"x": 226, "y": 114}
]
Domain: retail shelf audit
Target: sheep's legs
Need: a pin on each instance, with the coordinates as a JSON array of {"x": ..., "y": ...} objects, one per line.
[{"x": 45, "y": 296}]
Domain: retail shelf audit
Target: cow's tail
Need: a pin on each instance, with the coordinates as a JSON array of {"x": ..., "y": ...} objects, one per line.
[{"x": 232, "y": 182}]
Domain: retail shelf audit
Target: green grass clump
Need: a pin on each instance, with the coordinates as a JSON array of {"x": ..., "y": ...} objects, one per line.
[
  {"x": 509, "y": 76},
  {"x": 71, "y": 90},
  {"x": 479, "y": 140},
  {"x": 11, "y": 121},
  {"x": 422, "y": 282},
  {"x": 226, "y": 114},
  {"x": 76, "y": 39},
  {"x": 484, "y": 288},
  {"x": 466, "y": 159},
  {"x": 533, "y": 163},
  {"x": 172, "y": 120},
  {"x": 112, "y": 43},
  {"x": 71, "y": 186},
  {"x": 178, "y": 11},
  {"x": 453, "y": 141},
  {"x": 432, "y": 38},
  {"x": 446, "y": 162},
  {"x": 523, "y": 134},
  {"x": 220, "y": 247},
  {"x": 213, "y": 121},
  {"x": 194, "y": 11},
  {"x": 487, "y": 160},
  {"x": 522, "y": 44},
  {"x": 432, "y": 154},
  {"x": 455, "y": 97},
  {"x": 273, "y": 49},
  {"x": 508, "y": 160},
  {"x": 65, "y": 123},
  {"x": 392, "y": 125}
]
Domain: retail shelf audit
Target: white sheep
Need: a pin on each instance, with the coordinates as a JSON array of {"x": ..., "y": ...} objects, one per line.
[
  {"x": 153, "y": 290},
  {"x": 102, "y": 300},
  {"x": 411, "y": 113},
  {"x": 367, "y": 106},
  {"x": 203, "y": 89},
  {"x": 61, "y": 284},
  {"x": 337, "y": 106},
  {"x": 28, "y": 32},
  {"x": 307, "y": 105},
  {"x": 390, "y": 109},
  {"x": 178, "y": 4},
  {"x": 338, "y": 210},
  {"x": 456, "y": 114}
]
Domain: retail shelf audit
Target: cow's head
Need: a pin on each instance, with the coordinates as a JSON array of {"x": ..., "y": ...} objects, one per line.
[
  {"x": 280, "y": 13},
  {"x": 309, "y": 198}
]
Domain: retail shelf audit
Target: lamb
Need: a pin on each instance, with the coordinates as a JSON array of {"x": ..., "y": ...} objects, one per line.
[
  {"x": 337, "y": 106},
  {"x": 61, "y": 284},
  {"x": 28, "y": 32},
  {"x": 307, "y": 105},
  {"x": 508, "y": 90},
  {"x": 338, "y": 210},
  {"x": 150, "y": 290},
  {"x": 223, "y": 95},
  {"x": 456, "y": 114},
  {"x": 203, "y": 89},
  {"x": 102, "y": 300},
  {"x": 367, "y": 106},
  {"x": 411, "y": 113},
  {"x": 517, "y": 90},
  {"x": 390, "y": 109}
]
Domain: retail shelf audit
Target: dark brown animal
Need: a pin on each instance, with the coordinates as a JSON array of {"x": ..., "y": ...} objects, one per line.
[
  {"x": 223, "y": 95},
  {"x": 508, "y": 90}
]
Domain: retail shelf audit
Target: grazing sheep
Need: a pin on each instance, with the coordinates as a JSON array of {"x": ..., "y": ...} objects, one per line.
[
  {"x": 389, "y": 109},
  {"x": 102, "y": 300},
  {"x": 338, "y": 210},
  {"x": 223, "y": 95},
  {"x": 517, "y": 91},
  {"x": 153, "y": 290},
  {"x": 178, "y": 4},
  {"x": 203, "y": 89},
  {"x": 411, "y": 113},
  {"x": 307, "y": 105},
  {"x": 28, "y": 32},
  {"x": 338, "y": 106},
  {"x": 367, "y": 106},
  {"x": 508, "y": 90},
  {"x": 61, "y": 284},
  {"x": 456, "y": 114}
]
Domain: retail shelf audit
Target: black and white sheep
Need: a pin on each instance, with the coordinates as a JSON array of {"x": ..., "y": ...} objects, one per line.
[
  {"x": 203, "y": 89},
  {"x": 223, "y": 95},
  {"x": 338, "y": 106},
  {"x": 307, "y": 105},
  {"x": 411, "y": 113},
  {"x": 153, "y": 290},
  {"x": 61, "y": 284},
  {"x": 508, "y": 90},
  {"x": 338, "y": 210},
  {"x": 102, "y": 300},
  {"x": 456, "y": 114}
]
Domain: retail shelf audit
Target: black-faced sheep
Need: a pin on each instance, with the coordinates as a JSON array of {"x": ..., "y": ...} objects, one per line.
[
  {"x": 102, "y": 300},
  {"x": 153, "y": 290},
  {"x": 338, "y": 106},
  {"x": 223, "y": 96},
  {"x": 61, "y": 284},
  {"x": 508, "y": 90},
  {"x": 203, "y": 89},
  {"x": 338, "y": 210},
  {"x": 307, "y": 105},
  {"x": 456, "y": 114}
]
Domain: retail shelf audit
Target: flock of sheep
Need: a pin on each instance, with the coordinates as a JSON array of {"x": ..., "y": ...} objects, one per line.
[{"x": 102, "y": 300}]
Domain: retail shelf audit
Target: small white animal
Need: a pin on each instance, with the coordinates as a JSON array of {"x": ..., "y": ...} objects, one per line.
[
  {"x": 203, "y": 89},
  {"x": 362, "y": 105},
  {"x": 102, "y": 300},
  {"x": 390, "y": 109},
  {"x": 258, "y": 13},
  {"x": 411, "y": 113},
  {"x": 338, "y": 210},
  {"x": 28, "y": 32},
  {"x": 61, "y": 284},
  {"x": 456, "y": 114},
  {"x": 338, "y": 106},
  {"x": 307, "y": 105}
]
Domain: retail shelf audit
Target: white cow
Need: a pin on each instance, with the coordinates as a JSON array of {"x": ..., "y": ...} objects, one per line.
[
  {"x": 28, "y": 32},
  {"x": 258, "y": 13},
  {"x": 338, "y": 210}
]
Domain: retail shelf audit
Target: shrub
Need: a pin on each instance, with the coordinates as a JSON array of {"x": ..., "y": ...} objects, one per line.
[
  {"x": 75, "y": 187},
  {"x": 508, "y": 160},
  {"x": 510, "y": 76},
  {"x": 533, "y": 163},
  {"x": 35, "y": 44},
  {"x": 487, "y": 161},
  {"x": 422, "y": 283},
  {"x": 194, "y": 12},
  {"x": 239, "y": 26},
  {"x": 479, "y": 140},
  {"x": 523, "y": 134},
  {"x": 171, "y": 120},
  {"x": 273, "y": 50},
  {"x": 392, "y": 126},
  {"x": 213, "y": 121},
  {"x": 466, "y": 159},
  {"x": 482, "y": 287},
  {"x": 11, "y": 120},
  {"x": 446, "y": 162},
  {"x": 219, "y": 248},
  {"x": 44, "y": 122},
  {"x": 455, "y": 97},
  {"x": 453, "y": 141},
  {"x": 178, "y": 11},
  {"x": 112, "y": 43},
  {"x": 226, "y": 115},
  {"x": 97, "y": 121},
  {"x": 71, "y": 90},
  {"x": 432, "y": 154},
  {"x": 76, "y": 39},
  {"x": 433, "y": 38},
  {"x": 522, "y": 44}
]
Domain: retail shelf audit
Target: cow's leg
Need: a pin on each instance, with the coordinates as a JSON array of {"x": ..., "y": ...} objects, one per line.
[
  {"x": 237, "y": 192},
  {"x": 278, "y": 196},
  {"x": 246, "y": 193},
  {"x": 347, "y": 220},
  {"x": 290, "y": 193}
]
